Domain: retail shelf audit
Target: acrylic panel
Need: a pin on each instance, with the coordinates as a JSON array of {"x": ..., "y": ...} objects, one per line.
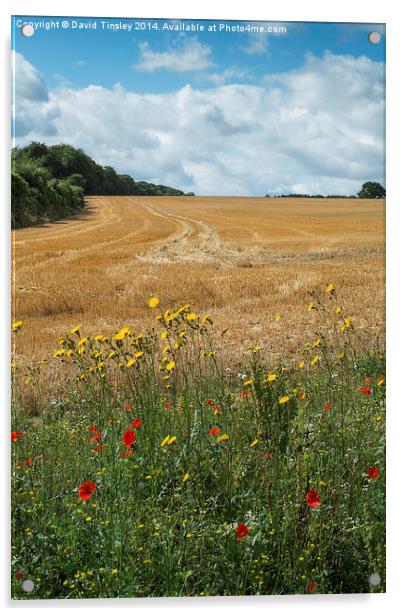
[{"x": 198, "y": 276}]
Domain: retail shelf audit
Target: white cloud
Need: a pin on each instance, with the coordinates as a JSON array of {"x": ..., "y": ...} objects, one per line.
[
  {"x": 188, "y": 57},
  {"x": 317, "y": 129},
  {"x": 29, "y": 84}
]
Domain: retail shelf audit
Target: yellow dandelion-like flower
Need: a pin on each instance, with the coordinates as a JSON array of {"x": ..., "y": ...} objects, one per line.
[
  {"x": 257, "y": 349},
  {"x": 165, "y": 440},
  {"x": 223, "y": 437},
  {"x": 75, "y": 330},
  {"x": 81, "y": 350},
  {"x": 122, "y": 334},
  {"x": 248, "y": 382},
  {"x": 164, "y": 335},
  {"x": 317, "y": 342},
  {"x": 307, "y": 344},
  {"x": 185, "y": 477},
  {"x": 17, "y": 325},
  {"x": 338, "y": 310},
  {"x": 191, "y": 316},
  {"x": 347, "y": 322},
  {"x": 170, "y": 366},
  {"x": 301, "y": 365},
  {"x": 341, "y": 356},
  {"x": 272, "y": 377},
  {"x": 277, "y": 317},
  {"x": 139, "y": 354},
  {"x": 206, "y": 317},
  {"x": 182, "y": 333},
  {"x": 284, "y": 399},
  {"x": 82, "y": 341},
  {"x": 69, "y": 352},
  {"x": 254, "y": 442},
  {"x": 58, "y": 353},
  {"x": 153, "y": 302},
  {"x": 314, "y": 360},
  {"x": 98, "y": 338},
  {"x": 171, "y": 440},
  {"x": 311, "y": 306},
  {"x": 131, "y": 362},
  {"x": 112, "y": 354},
  {"x": 330, "y": 288},
  {"x": 380, "y": 381}
]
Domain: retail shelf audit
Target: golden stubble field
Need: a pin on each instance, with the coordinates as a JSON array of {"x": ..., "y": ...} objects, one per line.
[{"x": 244, "y": 261}]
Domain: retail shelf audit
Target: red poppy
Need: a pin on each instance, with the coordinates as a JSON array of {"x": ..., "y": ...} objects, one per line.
[
  {"x": 210, "y": 402},
  {"x": 86, "y": 490},
  {"x": 367, "y": 381},
  {"x": 373, "y": 472},
  {"x": 127, "y": 406},
  {"x": 214, "y": 431},
  {"x": 168, "y": 405},
  {"x": 244, "y": 393},
  {"x": 365, "y": 390},
  {"x": 95, "y": 438},
  {"x": 19, "y": 574},
  {"x": 16, "y": 436},
  {"x": 312, "y": 586},
  {"x": 266, "y": 455},
  {"x": 216, "y": 410},
  {"x": 241, "y": 532},
  {"x": 312, "y": 499},
  {"x": 28, "y": 462},
  {"x": 136, "y": 423},
  {"x": 128, "y": 438},
  {"x": 327, "y": 407}
]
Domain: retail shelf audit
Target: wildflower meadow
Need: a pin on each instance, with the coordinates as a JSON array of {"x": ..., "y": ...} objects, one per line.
[{"x": 166, "y": 471}]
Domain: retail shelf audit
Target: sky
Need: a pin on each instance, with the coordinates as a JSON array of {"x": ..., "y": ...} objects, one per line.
[{"x": 212, "y": 107}]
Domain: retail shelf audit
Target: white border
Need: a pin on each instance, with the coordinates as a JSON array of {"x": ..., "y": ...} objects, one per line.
[{"x": 307, "y": 10}]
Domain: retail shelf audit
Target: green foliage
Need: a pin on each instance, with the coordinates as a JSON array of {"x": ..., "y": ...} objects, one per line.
[
  {"x": 371, "y": 190},
  {"x": 49, "y": 183},
  {"x": 163, "y": 516}
]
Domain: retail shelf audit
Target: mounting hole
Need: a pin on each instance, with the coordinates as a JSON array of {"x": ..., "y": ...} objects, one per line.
[
  {"x": 27, "y": 585},
  {"x": 374, "y": 579},
  {"x": 27, "y": 30},
  {"x": 374, "y": 37}
]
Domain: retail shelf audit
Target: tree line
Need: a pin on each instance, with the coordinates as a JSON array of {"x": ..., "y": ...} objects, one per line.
[
  {"x": 369, "y": 190},
  {"x": 50, "y": 182}
]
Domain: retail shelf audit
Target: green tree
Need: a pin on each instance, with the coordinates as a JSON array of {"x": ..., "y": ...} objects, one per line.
[{"x": 371, "y": 190}]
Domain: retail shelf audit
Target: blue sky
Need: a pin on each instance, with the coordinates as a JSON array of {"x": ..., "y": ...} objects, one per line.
[{"x": 93, "y": 66}]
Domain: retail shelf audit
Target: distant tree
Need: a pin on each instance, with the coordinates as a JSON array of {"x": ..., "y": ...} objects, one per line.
[{"x": 371, "y": 190}]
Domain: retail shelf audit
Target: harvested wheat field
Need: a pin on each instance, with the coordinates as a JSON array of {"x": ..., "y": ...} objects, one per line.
[{"x": 245, "y": 261}]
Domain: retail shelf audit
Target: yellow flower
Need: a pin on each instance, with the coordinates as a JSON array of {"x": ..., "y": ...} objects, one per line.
[
  {"x": 271, "y": 377},
  {"x": 171, "y": 440},
  {"x": 314, "y": 360},
  {"x": 75, "y": 329},
  {"x": 165, "y": 440},
  {"x": 170, "y": 365},
  {"x": 112, "y": 354},
  {"x": 122, "y": 334},
  {"x": 131, "y": 362},
  {"x": 191, "y": 316},
  {"x": 17, "y": 325},
  {"x": 347, "y": 322},
  {"x": 139, "y": 354},
  {"x": 301, "y": 365},
  {"x": 257, "y": 349},
  {"x": 69, "y": 352},
  {"x": 98, "y": 338},
  {"x": 164, "y": 335},
  {"x": 82, "y": 341},
  {"x": 317, "y": 342},
  {"x": 58, "y": 353},
  {"x": 223, "y": 437},
  {"x": 248, "y": 382},
  {"x": 254, "y": 442},
  {"x": 380, "y": 381},
  {"x": 153, "y": 302},
  {"x": 284, "y": 399},
  {"x": 114, "y": 571},
  {"x": 278, "y": 317},
  {"x": 330, "y": 288},
  {"x": 206, "y": 317},
  {"x": 311, "y": 306},
  {"x": 185, "y": 477},
  {"x": 338, "y": 310}
]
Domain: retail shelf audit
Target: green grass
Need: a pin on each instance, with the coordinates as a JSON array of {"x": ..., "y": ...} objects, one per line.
[{"x": 162, "y": 521}]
